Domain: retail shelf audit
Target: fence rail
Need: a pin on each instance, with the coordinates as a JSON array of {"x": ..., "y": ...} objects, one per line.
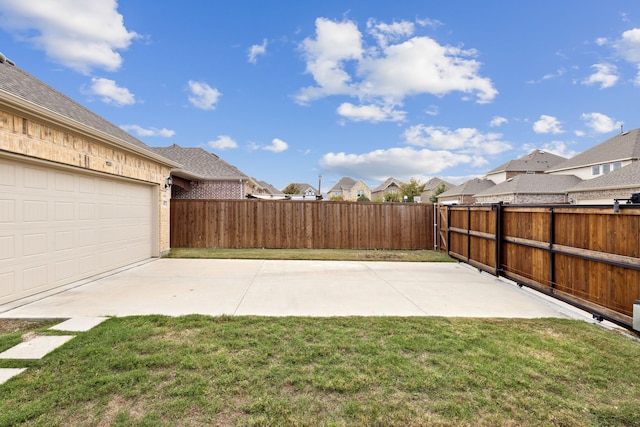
[
  {"x": 300, "y": 224},
  {"x": 587, "y": 256}
]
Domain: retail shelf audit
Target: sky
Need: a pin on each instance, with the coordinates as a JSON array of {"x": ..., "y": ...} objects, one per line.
[{"x": 291, "y": 90}]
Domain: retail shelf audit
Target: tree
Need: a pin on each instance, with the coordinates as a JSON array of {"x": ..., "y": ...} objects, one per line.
[
  {"x": 412, "y": 189},
  {"x": 292, "y": 189},
  {"x": 392, "y": 197},
  {"x": 363, "y": 198},
  {"x": 441, "y": 189}
]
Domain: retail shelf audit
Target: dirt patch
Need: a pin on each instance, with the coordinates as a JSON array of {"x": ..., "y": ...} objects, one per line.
[{"x": 8, "y": 326}]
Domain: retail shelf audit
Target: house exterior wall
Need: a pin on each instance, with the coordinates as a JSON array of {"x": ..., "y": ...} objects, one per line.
[
  {"x": 465, "y": 199},
  {"x": 382, "y": 193},
  {"x": 38, "y": 139},
  {"x": 586, "y": 172},
  {"x": 601, "y": 196},
  {"x": 524, "y": 199},
  {"x": 210, "y": 190},
  {"x": 358, "y": 186},
  {"x": 497, "y": 177}
]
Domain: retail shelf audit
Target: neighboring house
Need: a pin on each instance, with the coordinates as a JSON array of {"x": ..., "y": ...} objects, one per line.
[
  {"x": 464, "y": 193},
  {"x": 78, "y": 195},
  {"x": 390, "y": 186},
  {"x": 618, "y": 184},
  {"x": 269, "y": 189},
  {"x": 610, "y": 155},
  {"x": 529, "y": 189},
  {"x": 204, "y": 175},
  {"x": 431, "y": 187},
  {"x": 305, "y": 191},
  {"x": 268, "y": 192},
  {"x": 536, "y": 162},
  {"x": 349, "y": 189}
]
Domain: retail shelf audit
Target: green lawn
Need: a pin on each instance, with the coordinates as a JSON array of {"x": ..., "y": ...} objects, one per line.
[
  {"x": 313, "y": 254},
  {"x": 351, "y": 371}
]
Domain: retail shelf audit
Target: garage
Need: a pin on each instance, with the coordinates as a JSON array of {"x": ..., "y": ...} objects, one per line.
[{"x": 60, "y": 224}]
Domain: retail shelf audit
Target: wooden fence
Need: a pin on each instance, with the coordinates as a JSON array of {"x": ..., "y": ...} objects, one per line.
[
  {"x": 587, "y": 256},
  {"x": 300, "y": 224}
]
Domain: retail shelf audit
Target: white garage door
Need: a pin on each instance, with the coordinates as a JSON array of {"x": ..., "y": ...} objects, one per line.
[{"x": 60, "y": 225}]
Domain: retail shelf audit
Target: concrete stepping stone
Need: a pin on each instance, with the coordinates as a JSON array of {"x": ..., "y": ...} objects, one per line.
[
  {"x": 35, "y": 348},
  {"x": 8, "y": 373},
  {"x": 79, "y": 324}
]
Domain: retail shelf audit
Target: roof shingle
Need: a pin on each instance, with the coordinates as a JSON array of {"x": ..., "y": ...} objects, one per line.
[{"x": 199, "y": 162}]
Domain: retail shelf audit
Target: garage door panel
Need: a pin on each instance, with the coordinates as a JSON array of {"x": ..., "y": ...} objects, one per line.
[
  {"x": 59, "y": 226},
  {"x": 7, "y": 284}
]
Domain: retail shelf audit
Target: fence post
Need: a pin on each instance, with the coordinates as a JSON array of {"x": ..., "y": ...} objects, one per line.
[
  {"x": 552, "y": 255},
  {"x": 498, "y": 250},
  {"x": 468, "y": 233}
]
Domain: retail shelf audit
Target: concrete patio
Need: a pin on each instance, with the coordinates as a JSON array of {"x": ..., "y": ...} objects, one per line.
[{"x": 291, "y": 288}]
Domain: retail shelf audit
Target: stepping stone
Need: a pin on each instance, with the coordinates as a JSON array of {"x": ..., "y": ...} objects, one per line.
[
  {"x": 7, "y": 373},
  {"x": 79, "y": 324},
  {"x": 36, "y": 348}
]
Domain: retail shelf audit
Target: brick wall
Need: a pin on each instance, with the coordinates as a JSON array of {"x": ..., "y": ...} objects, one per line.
[
  {"x": 210, "y": 190},
  {"x": 37, "y": 139}
]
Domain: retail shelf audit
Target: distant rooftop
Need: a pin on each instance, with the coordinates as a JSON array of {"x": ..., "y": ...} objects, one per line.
[
  {"x": 535, "y": 161},
  {"x": 623, "y": 146}
]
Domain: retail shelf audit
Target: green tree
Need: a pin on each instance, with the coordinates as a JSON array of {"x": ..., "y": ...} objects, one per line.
[
  {"x": 412, "y": 189},
  {"x": 392, "y": 197},
  {"x": 441, "y": 189},
  {"x": 292, "y": 189},
  {"x": 363, "y": 198}
]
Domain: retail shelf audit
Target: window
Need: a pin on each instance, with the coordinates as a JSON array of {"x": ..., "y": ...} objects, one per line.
[
  {"x": 617, "y": 165},
  {"x": 595, "y": 170},
  {"x": 360, "y": 193},
  {"x": 606, "y": 168}
]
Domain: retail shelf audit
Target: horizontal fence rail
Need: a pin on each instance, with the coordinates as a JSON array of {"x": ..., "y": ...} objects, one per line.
[
  {"x": 301, "y": 224},
  {"x": 587, "y": 256}
]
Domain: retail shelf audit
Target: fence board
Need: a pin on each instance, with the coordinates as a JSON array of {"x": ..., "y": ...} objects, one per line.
[
  {"x": 300, "y": 224},
  {"x": 586, "y": 255}
]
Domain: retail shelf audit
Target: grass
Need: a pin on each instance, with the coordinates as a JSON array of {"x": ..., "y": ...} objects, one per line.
[
  {"x": 355, "y": 371},
  {"x": 313, "y": 254}
]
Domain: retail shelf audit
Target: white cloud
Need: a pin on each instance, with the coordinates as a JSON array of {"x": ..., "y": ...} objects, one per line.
[
  {"x": 463, "y": 140},
  {"x": 600, "y": 123},
  {"x": 498, "y": 121},
  {"x": 142, "y": 132},
  {"x": 628, "y": 46},
  {"x": 277, "y": 146},
  {"x": 110, "y": 92},
  {"x": 335, "y": 43},
  {"x": 422, "y": 66},
  {"x": 547, "y": 124},
  {"x": 78, "y": 34},
  {"x": 401, "y": 163},
  {"x": 203, "y": 96},
  {"x": 257, "y": 50},
  {"x": 371, "y": 113},
  {"x": 606, "y": 76},
  {"x": 222, "y": 143},
  {"x": 395, "y": 68},
  {"x": 385, "y": 33}
]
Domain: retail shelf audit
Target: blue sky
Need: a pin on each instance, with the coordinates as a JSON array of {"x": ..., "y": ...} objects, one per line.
[{"x": 289, "y": 90}]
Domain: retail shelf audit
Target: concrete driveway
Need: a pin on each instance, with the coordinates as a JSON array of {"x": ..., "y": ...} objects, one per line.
[{"x": 291, "y": 288}]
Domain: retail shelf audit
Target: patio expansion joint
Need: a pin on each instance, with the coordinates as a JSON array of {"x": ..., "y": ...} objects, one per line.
[
  {"x": 395, "y": 289},
  {"x": 246, "y": 290}
]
